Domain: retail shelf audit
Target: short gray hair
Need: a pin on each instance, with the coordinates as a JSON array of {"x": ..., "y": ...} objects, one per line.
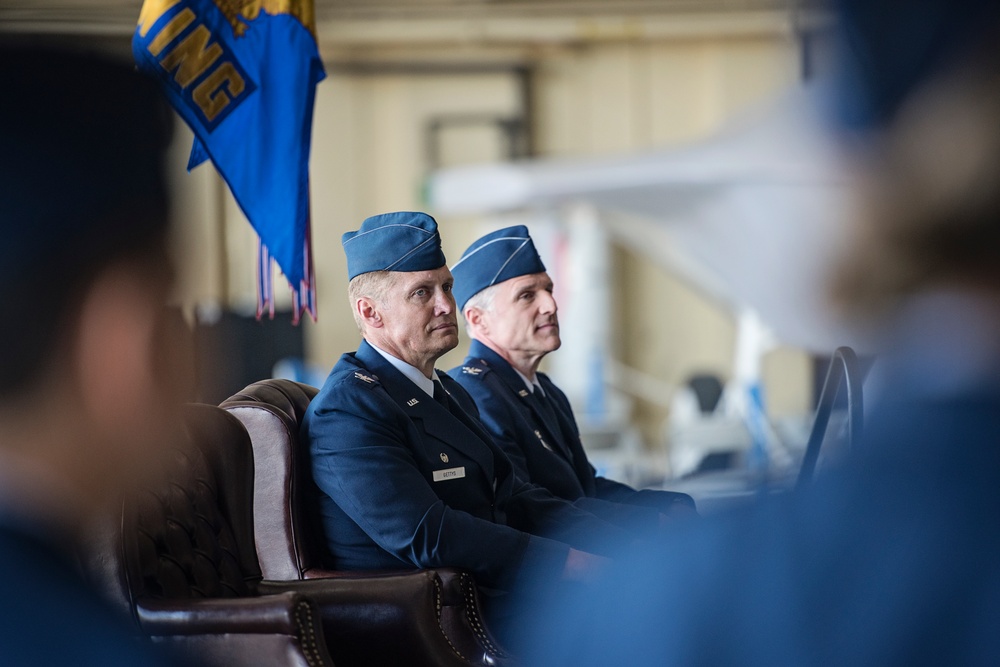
[
  {"x": 373, "y": 285},
  {"x": 483, "y": 300}
]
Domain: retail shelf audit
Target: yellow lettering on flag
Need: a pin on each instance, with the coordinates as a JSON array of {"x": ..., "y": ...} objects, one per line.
[
  {"x": 176, "y": 26},
  {"x": 210, "y": 97},
  {"x": 192, "y": 57}
]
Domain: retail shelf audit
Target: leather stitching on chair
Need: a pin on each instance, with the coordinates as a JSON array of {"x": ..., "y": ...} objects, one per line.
[
  {"x": 471, "y": 607},
  {"x": 305, "y": 623},
  {"x": 437, "y": 608}
]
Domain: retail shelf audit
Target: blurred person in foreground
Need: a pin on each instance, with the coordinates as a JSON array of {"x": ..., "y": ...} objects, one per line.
[
  {"x": 506, "y": 297},
  {"x": 893, "y": 559},
  {"x": 408, "y": 477},
  {"x": 85, "y": 365}
]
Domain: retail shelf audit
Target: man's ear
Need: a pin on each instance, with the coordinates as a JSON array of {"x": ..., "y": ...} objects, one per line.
[
  {"x": 369, "y": 312},
  {"x": 477, "y": 320}
]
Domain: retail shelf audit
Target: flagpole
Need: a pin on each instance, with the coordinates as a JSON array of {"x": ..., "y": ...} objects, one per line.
[{"x": 222, "y": 238}]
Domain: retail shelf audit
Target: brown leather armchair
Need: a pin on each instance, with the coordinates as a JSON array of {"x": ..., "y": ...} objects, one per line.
[
  {"x": 422, "y": 617},
  {"x": 181, "y": 561}
]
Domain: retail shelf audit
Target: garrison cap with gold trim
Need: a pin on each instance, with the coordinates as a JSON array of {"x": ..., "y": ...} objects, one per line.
[
  {"x": 401, "y": 241},
  {"x": 494, "y": 258}
]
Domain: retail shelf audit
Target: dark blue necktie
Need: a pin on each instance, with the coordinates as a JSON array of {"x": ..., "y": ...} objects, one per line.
[
  {"x": 440, "y": 395},
  {"x": 542, "y": 403}
]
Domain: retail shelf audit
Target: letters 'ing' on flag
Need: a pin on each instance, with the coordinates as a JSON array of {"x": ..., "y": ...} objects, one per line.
[{"x": 243, "y": 75}]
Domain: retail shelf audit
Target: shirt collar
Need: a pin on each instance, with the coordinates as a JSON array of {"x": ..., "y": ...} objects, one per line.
[
  {"x": 411, "y": 372},
  {"x": 532, "y": 386}
]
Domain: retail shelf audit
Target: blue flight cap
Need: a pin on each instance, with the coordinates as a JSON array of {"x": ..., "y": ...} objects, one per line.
[
  {"x": 494, "y": 258},
  {"x": 403, "y": 241}
]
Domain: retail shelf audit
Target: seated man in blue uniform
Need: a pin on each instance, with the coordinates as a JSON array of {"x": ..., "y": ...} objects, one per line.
[
  {"x": 408, "y": 477},
  {"x": 505, "y": 294}
]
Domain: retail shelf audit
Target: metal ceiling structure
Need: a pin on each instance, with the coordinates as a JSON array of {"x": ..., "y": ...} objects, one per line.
[{"x": 119, "y": 16}]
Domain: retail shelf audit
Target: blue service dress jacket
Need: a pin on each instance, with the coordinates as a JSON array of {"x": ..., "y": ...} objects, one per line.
[
  {"x": 545, "y": 446},
  {"x": 405, "y": 482},
  {"x": 51, "y": 615}
]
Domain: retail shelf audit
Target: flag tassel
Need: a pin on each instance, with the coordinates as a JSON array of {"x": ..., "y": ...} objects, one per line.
[{"x": 303, "y": 295}]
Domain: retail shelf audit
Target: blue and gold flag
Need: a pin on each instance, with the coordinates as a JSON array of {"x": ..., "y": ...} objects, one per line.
[{"x": 243, "y": 75}]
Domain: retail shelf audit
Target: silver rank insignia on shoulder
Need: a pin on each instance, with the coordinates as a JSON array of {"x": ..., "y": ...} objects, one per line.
[
  {"x": 412, "y": 402},
  {"x": 364, "y": 378},
  {"x": 522, "y": 394},
  {"x": 444, "y": 457},
  {"x": 471, "y": 370},
  {"x": 542, "y": 440}
]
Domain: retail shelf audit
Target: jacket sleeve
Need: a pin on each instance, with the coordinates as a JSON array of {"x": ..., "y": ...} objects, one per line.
[
  {"x": 636, "y": 518},
  {"x": 665, "y": 502},
  {"x": 500, "y": 419},
  {"x": 535, "y": 510}
]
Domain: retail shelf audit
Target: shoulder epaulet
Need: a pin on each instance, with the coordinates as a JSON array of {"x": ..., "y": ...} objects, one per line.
[
  {"x": 365, "y": 379},
  {"x": 476, "y": 370}
]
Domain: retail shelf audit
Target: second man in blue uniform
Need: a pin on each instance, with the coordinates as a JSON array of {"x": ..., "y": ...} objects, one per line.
[{"x": 503, "y": 290}]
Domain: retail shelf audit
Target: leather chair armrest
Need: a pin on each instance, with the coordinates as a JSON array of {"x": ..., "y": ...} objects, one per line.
[
  {"x": 279, "y": 629},
  {"x": 401, "y": 617},
  {"x": 282, "y": 613}
]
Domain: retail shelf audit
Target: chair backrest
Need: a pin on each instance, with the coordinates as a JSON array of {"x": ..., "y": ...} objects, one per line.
[
  {"x": 190, "y": 535},
  {"x": 180, "y": 557},
  {"x": 289, "y": 543}
]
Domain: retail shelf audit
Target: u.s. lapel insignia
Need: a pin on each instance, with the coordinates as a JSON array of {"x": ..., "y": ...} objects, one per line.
[
  {"x": 471, "y": 370},
  {"x": 364, "y": 378},
  {"x": 542, "y": 440},
  {"x": 522, "y": 393},
  {"x": 444, "y": 457},
  {"x": 412, "y": 402}
]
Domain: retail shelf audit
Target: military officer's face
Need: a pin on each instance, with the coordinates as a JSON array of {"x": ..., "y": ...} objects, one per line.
[
  {"x": 419, "y": 319},
  {"x": 523, "y": 316}
]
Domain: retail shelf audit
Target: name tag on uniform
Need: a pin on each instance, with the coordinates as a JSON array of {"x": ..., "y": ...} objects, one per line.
[{"x": 450, "y": 473}]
